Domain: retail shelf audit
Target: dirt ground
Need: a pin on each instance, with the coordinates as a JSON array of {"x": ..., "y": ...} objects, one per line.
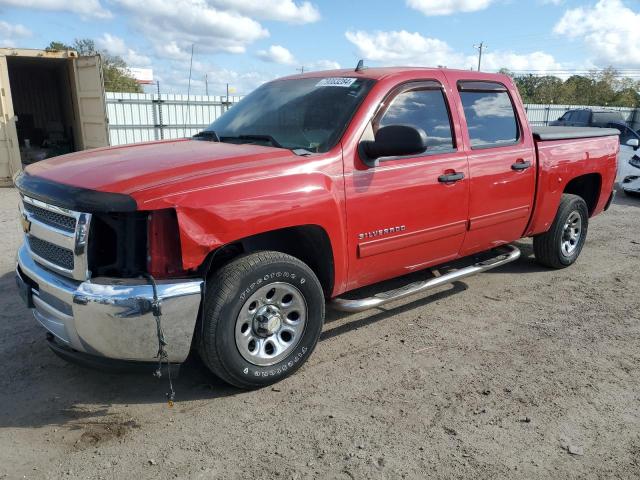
[{"x": 493, "y": 377}]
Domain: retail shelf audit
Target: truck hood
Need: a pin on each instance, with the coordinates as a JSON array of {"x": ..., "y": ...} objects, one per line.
[{"x": 134, "y": 168}]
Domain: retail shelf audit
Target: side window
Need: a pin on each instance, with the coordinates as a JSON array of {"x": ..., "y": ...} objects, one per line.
[
  {"x": 425, "y": 109},
  {"x": 584, "y": 117},
  {"x": 491, "y": 119}
]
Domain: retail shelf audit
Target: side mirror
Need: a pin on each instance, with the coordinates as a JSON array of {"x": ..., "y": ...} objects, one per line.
[
  {"x": 393, "y": 141},
  {"x": 633, "y": 142}
]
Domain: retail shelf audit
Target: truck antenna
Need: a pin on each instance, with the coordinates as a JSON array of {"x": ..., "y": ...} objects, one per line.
[{"x": 360, "y": 67}]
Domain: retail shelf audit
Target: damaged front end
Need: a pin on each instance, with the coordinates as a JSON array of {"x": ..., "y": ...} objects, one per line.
[{"x": 88, "y": 268}]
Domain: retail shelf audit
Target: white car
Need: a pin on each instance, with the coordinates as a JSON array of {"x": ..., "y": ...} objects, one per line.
[{"x": 628, "y": 159}]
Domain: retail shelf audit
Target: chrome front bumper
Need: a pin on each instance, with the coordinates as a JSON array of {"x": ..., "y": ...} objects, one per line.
[{"x": 110, "y": 317}]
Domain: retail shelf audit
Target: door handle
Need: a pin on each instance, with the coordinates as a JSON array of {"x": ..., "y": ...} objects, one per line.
[
  {"x": 521, "y": 165},
  {"x": 451, "y": 177}
]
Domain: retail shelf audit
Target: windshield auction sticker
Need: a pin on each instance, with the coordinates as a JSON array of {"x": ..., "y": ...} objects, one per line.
[{"x": 336, "y": 82}]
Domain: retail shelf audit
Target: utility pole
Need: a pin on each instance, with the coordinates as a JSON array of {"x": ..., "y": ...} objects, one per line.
[
  {"x": 301, "y": 69},
  {"x": 206, "y": 85},
  {"x": 481, "y": 47},
  {"x": 188, "y": 117}
]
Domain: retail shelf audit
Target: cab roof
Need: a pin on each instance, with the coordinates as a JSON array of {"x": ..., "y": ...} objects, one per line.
[{"x": 379, "y": 73}]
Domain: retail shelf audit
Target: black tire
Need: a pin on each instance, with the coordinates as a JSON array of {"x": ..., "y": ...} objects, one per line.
[
  {"x": 548, "y": 246},
  {"x": 228, "y": 290},
  {"x": 631, "y": 194}
]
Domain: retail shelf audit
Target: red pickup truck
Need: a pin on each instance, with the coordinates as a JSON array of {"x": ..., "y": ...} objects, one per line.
[{"x": 230, "y": 243}]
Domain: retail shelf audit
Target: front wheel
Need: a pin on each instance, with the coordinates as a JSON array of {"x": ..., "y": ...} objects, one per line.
[
  {"x": 562, "y": 244},
  {"x": 263, "y": 316}
]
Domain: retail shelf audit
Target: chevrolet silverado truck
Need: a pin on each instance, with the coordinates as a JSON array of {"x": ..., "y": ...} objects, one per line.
[{"x": 231, "y": 243}]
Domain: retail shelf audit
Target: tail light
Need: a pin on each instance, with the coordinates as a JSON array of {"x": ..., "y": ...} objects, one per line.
[{"x": 164, "y": 258}]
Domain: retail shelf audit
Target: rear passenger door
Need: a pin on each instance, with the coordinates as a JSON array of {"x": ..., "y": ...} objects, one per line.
[{"x": 502, "y": 166}]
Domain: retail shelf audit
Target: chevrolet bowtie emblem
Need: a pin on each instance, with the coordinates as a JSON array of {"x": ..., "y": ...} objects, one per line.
[{"x": 26, "y": 224}]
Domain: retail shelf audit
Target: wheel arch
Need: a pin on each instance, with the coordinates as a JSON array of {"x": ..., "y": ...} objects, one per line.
[
  {"x": 588, "y": 187},
  {"x": 308, "y": 243}
]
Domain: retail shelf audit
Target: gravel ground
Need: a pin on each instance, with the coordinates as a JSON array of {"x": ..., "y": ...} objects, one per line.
[{"x": 494, "y": 377}]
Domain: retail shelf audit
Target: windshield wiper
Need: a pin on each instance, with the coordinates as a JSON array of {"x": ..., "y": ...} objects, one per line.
[
  {"x": 264, "y": 138},
  {"x": 208, "y": 135}
]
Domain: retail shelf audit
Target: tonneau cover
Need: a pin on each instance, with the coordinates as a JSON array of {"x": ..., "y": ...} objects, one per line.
[{"x": 567, "y": 133}]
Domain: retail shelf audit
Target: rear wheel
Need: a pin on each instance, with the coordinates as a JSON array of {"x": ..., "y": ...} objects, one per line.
[
  {"x": 562, "y": 244},
  {"x": 262, "y": 319}
]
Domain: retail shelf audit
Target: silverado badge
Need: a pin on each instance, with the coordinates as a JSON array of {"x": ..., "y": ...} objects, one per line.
[{"x": 381, "y": 232}]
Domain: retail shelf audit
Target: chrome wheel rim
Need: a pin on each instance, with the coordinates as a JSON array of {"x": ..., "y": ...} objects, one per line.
[
  {"x": 571, "y": 233},
  {"x": 271, "y": 323}
]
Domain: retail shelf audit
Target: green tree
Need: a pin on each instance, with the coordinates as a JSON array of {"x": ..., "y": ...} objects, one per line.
[
  {"x": 603, "y": 87},
  {"x": 55, "y": 46},
  {"x": 579, "y": 90},
  {"x": 114, "y": 68}
]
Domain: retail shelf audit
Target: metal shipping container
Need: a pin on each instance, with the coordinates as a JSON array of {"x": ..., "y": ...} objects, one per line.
[{"x": 50, "y": 103}]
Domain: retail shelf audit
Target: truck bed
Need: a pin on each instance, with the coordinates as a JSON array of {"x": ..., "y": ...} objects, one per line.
[{"x": 545, "y": 134}]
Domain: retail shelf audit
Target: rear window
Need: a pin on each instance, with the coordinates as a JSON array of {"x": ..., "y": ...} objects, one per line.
[
  {"x": 491, "y": 119},
  {"x": 606, "y": 117}
]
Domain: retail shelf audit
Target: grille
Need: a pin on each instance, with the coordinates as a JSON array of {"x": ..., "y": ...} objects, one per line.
[
  {"x": 52, "y": 253},
  {"x": 63, "y": 222}
]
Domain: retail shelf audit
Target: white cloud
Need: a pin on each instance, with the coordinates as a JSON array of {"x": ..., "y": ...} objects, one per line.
[
  {"x": 9, "y": 33},
  {"x": 280, "y": 10},
  {"x": 175, "y": 25},
  {"x": 533, "y": 61},
  {"x": 84, "y": 8},
  {"x": 609, "y": 29},
  {"x": 174, "y": 78},
  {"x": 277, "y": 54},
  {"x": 402, "y": 47},
  {"x": 117, "y": 46},
  {"x": 10, "y": 30},
  {"x": 170, "y": 51},
  {"x": 322, "y": 65},
  {"x": 448, "y": 7}
]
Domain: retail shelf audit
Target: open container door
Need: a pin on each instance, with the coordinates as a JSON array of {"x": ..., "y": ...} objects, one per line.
[
  {"x": 90, "y": 103},
  {"x": 10, "y": 163}
]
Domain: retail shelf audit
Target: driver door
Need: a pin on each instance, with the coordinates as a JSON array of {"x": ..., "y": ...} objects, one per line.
[{"x": 401, "y": 215}]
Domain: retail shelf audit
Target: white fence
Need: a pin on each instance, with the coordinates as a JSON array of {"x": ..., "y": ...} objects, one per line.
[
  {"x": 140, "y": 117},
  {"x": 543, "y": 114}
]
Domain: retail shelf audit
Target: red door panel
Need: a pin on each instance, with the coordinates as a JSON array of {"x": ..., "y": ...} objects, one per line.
[
  {"x": 502, "y": 161},
  {"x": 400, "y": 216},
  {"x": 500, "y": 198}
]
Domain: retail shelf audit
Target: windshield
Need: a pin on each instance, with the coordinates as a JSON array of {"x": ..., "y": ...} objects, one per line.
[{"x": 305, "y": 113}]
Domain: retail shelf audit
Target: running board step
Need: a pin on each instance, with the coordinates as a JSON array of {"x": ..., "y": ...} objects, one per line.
[{"x": 510, "y": 254}]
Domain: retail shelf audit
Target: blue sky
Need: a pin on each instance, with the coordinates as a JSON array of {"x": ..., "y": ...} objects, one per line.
[{"x": 246, "y": 42}]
